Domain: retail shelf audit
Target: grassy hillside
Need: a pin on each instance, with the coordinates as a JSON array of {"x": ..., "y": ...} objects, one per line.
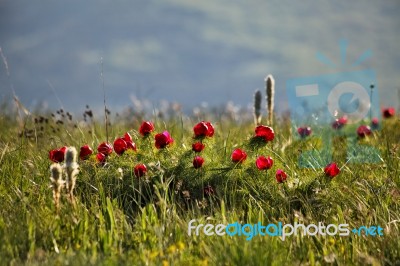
[{"x": 118, "y": 218}]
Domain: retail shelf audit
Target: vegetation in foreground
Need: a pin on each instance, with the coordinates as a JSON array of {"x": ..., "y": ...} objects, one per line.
[{"x": 118, "y": 218}]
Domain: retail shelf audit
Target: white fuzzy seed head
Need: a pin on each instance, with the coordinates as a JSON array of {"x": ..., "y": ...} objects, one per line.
[
  {"x": 70, "y": 156},
  {"x": 56, "y": 172},
  {"x": 57, "y": 183}
]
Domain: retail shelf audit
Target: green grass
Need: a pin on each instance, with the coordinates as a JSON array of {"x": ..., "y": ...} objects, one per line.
[{"x": 119, "y": 219}]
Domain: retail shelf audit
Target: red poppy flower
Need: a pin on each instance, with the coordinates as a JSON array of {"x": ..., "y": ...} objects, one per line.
[
  {"x": 208, "y": 190},
  {"x": 340, "y": 122},
  {"x": 85, "y": 152},
  {"x": 140, "y": 170},
  {"x": 265, "y": 132},
  {"x": 363, "y": 131},
  {"x": 129, "y": 142},
  {"x": 163, "y": 139},
  {"x": 263, "y": 163},
  {"x": 238, "y": 156},
  {"x": 198, "y": 147},
  {"x": 57, "y": 155},
  {"x": 146, "y": 128},
  {"x": 304, "y": 131},
  {"x": 203, "y": 129},
  {"x": 198, "y": 162},
  {"x": 120, "y": 146},
  {"x": 331, "y": 170},
  {"x": 101, "y": 158},
  {"x": 375, "y": 123},
  {"x": 388, "y": 112},
  {"x": 105, "y": 148},
  {"x": 280, "y": 176}
]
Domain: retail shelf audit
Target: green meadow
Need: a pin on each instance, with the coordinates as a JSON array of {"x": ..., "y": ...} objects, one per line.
[{"x": 117, "y": 218}]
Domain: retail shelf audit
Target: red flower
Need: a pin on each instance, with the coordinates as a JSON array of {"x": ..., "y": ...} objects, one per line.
[
  {"x": 265, "y": 132},
  {"x": 101, "y": 158},
  {"x": 57, "y": 155},
  {"x": 140, "y": 170},
  {"x": 198, "y": 162},
  {"x": 105, "y": 148},
  {"x": 263, "y": 163},
  {"x": 375, "y": 123},
  {"x": 339, "y": 123},
  {"x": 203, "y": 129},
  {"x": 198, "y": 147},
  {"x": 363, "y": 131},
  {"x": 280, "y": 176},
  {"x": 304, "y": 131},
  {"x": 163, "y": 139},
  {"x": 238, "y": 156},
  {"x": 331, "y": 170},
  {"x": 208, "y": 190},
  {"x": 146, "y": 128},
  {"x": 120, "y": 146},
  {"x": 388, "y": 112},
  {"x": 129, "y": 142},
  {"x": 85, "y": 152}
]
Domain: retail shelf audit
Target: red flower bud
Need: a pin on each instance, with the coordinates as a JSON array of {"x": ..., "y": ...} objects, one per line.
[
  {"x": 146, "y": 128},
  {"x": 331, "y": 170},
  {"x": 263, "y": 163},
  {"x": 304, "y": 131},
  {"x": 363, "y": 131},
  {"x": 203, "y": 129},
  {"x": 57, "y": 155},
  {"x": 129, "y": 142},
  {"x": 140, "y": 170},
  {"x": 198, "y": 147},
  {"x": 198, "y": 162},
  {"x": 163, "y": 139},
  {"x": 340, "y": 122},
  {"x": 85, "y": 152},
  {"x": 238, "y": 156},
  {"x": 101, "y": 158},
  {"x": 120, "y": 146},
  {"x": 105, "y": 148},
  {"x": 280, "y": 176},
  {"x": 388, "y": 112},
  {"x": 267, "y": 133}
]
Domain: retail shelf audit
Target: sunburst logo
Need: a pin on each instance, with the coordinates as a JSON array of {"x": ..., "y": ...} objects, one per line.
[{"x": 317, "y": 101}]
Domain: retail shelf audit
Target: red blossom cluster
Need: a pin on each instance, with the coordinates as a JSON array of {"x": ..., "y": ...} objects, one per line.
[
  {"x": 123, "y": 144},
  {"x": 202, "y": 130}
]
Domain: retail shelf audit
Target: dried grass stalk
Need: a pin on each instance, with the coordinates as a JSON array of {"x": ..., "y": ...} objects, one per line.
[
  {"x": 270, "y": 91},
  {"x": 257, "y": 107}
]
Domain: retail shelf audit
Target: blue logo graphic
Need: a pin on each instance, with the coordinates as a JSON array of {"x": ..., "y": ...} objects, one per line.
[{"x": 317, "y": 101}]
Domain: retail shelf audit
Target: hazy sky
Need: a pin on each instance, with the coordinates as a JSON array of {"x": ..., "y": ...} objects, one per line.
[{"x": 188, "y": 51}]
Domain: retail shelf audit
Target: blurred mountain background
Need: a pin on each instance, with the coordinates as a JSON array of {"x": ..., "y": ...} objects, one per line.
[{"x": 185, "y": 51}]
